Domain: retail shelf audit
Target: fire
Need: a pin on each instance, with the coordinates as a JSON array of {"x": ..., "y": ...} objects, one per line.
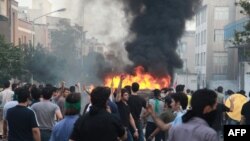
[{"x": 146, "y": 80}]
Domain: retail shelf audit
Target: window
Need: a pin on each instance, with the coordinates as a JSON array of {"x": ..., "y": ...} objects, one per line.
[
  {"x": 198, "y": 39},
  {"x": 205, "y": 36},
  {"x": 220, "y": 63},
  {"x": 201, "y": 37},
  {"x": 204, "y": 59},
  {"x": 221, "y": 13},
  {"x": 218, "y": 35},
  {"x": 204, "y": 15}
]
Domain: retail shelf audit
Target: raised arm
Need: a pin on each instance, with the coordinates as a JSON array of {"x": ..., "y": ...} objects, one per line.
[{"x": 118, "y": 95}]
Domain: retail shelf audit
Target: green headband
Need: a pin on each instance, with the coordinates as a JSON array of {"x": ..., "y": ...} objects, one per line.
[{"x": 76, "y": 106}]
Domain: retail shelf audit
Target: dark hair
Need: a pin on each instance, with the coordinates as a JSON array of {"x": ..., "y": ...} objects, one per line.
[
  {"x": 179, "y": 88},
  {"x": 16, "y": 92},
  {"x": 230, "y": 92},
  {"x": 128, "y": 88},
  {"x": 182, "y": 98},
  {"x": 157, "y": 93},
  {"x": 200, "y": 99},
  {"x": 242, "y": 92},
  {"x": 54, "y": 89},
  {"x": 13, "y": 86},
  {"x": 135, "y": 87},
  {"x": 99, "y": 97},
  {"x": 6, "y": 84},
  {"x": 72, "y": 89},
  {"x": 35, "y": 93},
  {"x": 123, "y": 91},
  {"x": 188, "y": 91},
  {"x": 220, "y": 89},
  {"x": 165, "y": 90},
  {"x": 23, "y": 95},
  {"x": 168, "y": 101},
  {"x": 73, "y": 104},
  {"x": 47, "y": 92}
]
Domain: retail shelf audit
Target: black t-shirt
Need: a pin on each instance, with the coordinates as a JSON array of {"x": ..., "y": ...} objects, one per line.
[
  {"x": 136, "y": 103},
  {"x": 245, "y": 111},
  {"x": 221, "y": 108},
  {"x": 98, "y": 127},
  {"x": 124, "y": 112},
  {"x": 21, "y": 120}
]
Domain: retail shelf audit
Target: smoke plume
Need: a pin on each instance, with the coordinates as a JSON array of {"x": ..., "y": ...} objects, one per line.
[{"x": 157, "y": 26}]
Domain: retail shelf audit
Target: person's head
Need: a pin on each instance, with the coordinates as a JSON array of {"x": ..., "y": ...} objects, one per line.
[
  {"x": 73, "y": 104},
  {"x": 124, "y": 94},
  {"x": 179, "y": 101},
  {"x": 128, "y": 88},
  {"x": 14, "y": 86},
  {"x": 230, "y": 92},
  {"x": 47, "y": 92},
  {"x": 179, "y": 88},
  {"x": 23, "y": 95},
  {"x": 203, "y": 105},
  {"x": 16, "y": 92},
  {"x": 135, "y": 87},
  {"x": 55, "y": 92},
  {"x": 168, "y": 101},
  {"x": 6, "y": 84},
  {"x": 66, "y": 92},
  {"x": 242, "y": 92},
  {"x": 72, "y": 89},
  {"x": 188, "y": 91},
  {"x": 99, "y": 97},
  {"x": 220, "y": 89},
  {"x": 157, "y": 93},
  {"x": 35, "y": 93}
]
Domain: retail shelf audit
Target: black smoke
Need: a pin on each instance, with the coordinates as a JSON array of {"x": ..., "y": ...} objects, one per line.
[{"x": 157, "y": 26}]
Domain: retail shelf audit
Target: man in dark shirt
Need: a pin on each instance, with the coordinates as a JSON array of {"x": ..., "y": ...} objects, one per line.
[
  {"x": 245, "y": 113},
  {"x": 21, "y": 120},
  {"x": 98, "y": 124},
  {"x": 136, "y": 103}
]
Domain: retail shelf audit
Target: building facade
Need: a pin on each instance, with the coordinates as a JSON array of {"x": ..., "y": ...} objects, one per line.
[
  {"x": 210, "y": 54},
  {"x": 238, "y": 55},
  {"x": 24, "y": 33},
  {"x": 9, "y": 20},
  {"x": 187, "y": 74}
]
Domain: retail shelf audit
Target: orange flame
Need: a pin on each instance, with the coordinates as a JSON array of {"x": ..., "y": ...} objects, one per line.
[{"x": 146, "y": 80}]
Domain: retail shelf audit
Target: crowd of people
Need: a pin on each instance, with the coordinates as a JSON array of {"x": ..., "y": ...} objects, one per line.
[{"x": 48, "y": 113}]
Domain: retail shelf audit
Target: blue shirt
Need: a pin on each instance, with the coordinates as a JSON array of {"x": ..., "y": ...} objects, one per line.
[
  {"x": 178, "y": 118},
  {"x": 63, "y": 129}
]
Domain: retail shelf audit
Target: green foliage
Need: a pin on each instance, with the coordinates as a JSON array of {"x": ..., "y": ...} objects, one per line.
[
  {"x": 11, "y": 61},
  {"x": 243, "y": 37}
]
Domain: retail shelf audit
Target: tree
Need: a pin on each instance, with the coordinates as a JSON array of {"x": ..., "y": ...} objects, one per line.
[
  {"x": 41, "y": 64},
  {"x": 243, "y": 37},
  {"x": 11, "y": 61}
]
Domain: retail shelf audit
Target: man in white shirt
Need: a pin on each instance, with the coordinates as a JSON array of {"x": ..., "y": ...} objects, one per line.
[{"x": 7, "y": 94}]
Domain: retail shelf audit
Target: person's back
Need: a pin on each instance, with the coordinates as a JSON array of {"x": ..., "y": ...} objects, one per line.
[
  {"x": 136, "y": 103},
  {"x": 7, "y": 94},
  {"x": 98, "y": 124},
  {"x": 196, "y": 129},
  {"x": 45, "y": 113},
  {"x": 62, "y": 130},
  {"x": 102, "y": 126},
  {"x": 21, "y": 120},
  {"x": 245, "y": 113},
  {"x": 197, "y": 121}
]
